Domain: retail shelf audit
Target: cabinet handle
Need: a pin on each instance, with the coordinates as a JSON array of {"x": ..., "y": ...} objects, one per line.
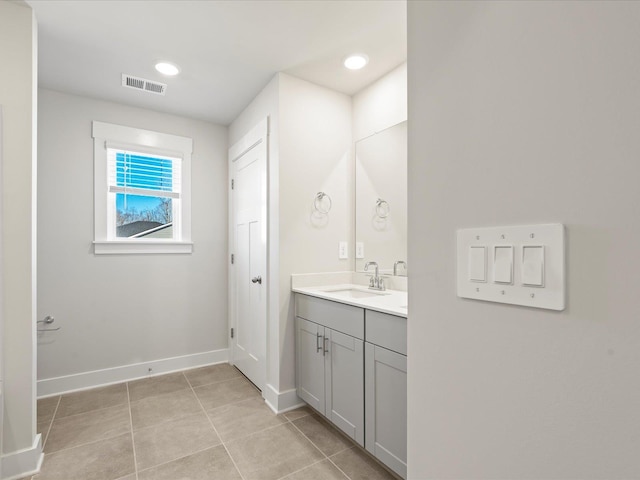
[
  {"x": 318, "y": 347},
  {"x": 324, "y": 342}
]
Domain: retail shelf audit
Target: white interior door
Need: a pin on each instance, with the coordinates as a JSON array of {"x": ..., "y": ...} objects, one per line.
[{"x": 249, "y": 248}]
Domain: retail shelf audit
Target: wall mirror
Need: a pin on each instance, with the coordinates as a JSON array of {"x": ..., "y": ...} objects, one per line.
[{"x": 381, "y": 199}]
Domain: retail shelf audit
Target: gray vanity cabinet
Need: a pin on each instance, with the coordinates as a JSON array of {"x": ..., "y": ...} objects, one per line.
[
  {"x": 330, "y": 361},
  {"x": 386, "y": 389}
]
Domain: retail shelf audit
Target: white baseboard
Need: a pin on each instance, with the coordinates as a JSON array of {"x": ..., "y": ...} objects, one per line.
[
  {"x": 108, "y": 376},
  {"x": 281, "y": 402},
  {"x": 23, "y": 463}
]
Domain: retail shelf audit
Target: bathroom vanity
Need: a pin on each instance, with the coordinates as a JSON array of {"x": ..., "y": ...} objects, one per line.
[
  {"x": 351, "y": 364},
  {"x": 351, "y": 327}
]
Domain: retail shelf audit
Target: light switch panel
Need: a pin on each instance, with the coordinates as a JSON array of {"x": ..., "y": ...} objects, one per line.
[
  {"x": 478, "y": 263},
  {"x": 533, "y": 265},
  {"x": 520, "y": 265},
  {"x": 359, "y": 250},
  {"x": 343, "y": 250}
]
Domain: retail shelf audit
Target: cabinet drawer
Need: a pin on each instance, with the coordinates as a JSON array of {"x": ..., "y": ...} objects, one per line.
[
  {"x": 388, "y": 331},
  {"x": 337, "y": 316}
]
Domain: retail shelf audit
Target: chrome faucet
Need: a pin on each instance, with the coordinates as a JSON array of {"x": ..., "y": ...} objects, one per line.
[
  {"x": 375, "y": 283},
  {"x": 395, "y": 267}
]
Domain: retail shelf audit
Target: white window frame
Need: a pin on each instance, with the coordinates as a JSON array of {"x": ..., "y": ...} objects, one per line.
[{"x": 108, "y": 135}]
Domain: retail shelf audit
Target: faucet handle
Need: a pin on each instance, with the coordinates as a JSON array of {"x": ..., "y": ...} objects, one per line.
[
  {"x": 395, "y": 266},
  {"x": 381, "y": 284}
]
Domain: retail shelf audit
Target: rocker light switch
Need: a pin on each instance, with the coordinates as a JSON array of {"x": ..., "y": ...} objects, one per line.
[
  {"x": 503, "y": 264},
  {"x": 533, "y": 265},
  {"x": 478, "y": 264}
]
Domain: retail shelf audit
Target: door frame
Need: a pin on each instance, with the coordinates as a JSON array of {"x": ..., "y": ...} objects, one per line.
[{"x": 257, "y": 135}]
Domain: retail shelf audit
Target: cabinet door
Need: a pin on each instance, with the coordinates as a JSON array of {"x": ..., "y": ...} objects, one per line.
[
  {"x": 310, "y": 363},
  {"x": 386, "y": 407},
  {"x": 344, "y": 383}
]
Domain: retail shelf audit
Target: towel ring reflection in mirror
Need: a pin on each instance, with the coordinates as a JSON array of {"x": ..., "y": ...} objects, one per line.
[
  {"x": 382, "y": 208},
  {"x": 322, "y": 203}
]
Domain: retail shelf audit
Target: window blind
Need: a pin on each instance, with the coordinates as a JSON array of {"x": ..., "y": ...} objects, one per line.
[{"x": 136, "y": 173}]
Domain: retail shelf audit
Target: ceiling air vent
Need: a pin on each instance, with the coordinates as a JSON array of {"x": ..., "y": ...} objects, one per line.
[{"x": 143, "y": 84}]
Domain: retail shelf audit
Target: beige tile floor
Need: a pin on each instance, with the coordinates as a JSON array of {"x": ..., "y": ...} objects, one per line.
[{"x": 202, "y": 424}]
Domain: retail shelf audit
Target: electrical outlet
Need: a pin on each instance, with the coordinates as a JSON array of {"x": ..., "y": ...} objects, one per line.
[
  {"x": 359, "y": 250},
  {"x": 343, "y": 250}
]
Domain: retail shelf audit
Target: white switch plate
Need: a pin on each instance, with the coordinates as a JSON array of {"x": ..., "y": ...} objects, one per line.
[
  {"x": 551, "y": 237},
  {"x": 359, "y": 250},
  {"x": 343, "y": 250}
]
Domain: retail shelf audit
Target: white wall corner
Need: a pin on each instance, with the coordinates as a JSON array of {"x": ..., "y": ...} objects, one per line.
[
  {"x": 108, "y": 376},
  {"x": 381, "y": 105},
  {"x": 23, "y": 463},
  {"x": 281, "y": 402}
]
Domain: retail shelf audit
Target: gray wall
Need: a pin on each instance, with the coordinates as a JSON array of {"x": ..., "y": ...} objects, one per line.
[
  {"x": 525, "y": 112},
  {"x": 118, "y": 310}
]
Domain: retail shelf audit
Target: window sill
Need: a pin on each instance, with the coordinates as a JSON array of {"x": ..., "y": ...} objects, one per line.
[{"x": 128, "y": 247}]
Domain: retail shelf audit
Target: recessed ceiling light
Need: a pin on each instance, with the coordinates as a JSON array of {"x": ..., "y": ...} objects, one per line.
[
  {"x": 167, "y": 68},
  {"x": 356, "y": 61}
]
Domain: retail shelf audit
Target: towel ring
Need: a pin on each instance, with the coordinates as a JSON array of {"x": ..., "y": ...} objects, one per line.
[
  {"x": 382, "y": 208},
  {"x": 317, "y": 203}
]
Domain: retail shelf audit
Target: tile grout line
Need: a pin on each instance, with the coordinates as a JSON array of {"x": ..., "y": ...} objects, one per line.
[
  {"x": 214, "y": 428},
  {"x": 355, "y": 448},
  {"x": 237, "y": 377},
  {"x": 51, "y": 422},
  {"x": 179, "y": 458},
  {"x": 254, "y": 433},
  {"x": 310, "y": 441},
  {"x": 327, "y": 457},
  {"x": 109, "y": 437},
  {"x": 66, "y": 449},
  {"x": 90, "y": 411},
  {"x": 301, "y": 469},
  {"x": 237, "y": 403},
  {"x": 340, "y": 451},
  {"x": 334, "y": 463},
  {"x": 133, "y": 442}
]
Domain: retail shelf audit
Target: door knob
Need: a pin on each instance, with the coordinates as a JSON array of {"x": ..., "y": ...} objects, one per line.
[{"x": 257, "y": 279}]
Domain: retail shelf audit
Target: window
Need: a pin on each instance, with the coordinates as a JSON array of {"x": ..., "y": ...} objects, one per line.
[
  {"x": 142, "y": 191},
  {"x": 145, "y": 190}
]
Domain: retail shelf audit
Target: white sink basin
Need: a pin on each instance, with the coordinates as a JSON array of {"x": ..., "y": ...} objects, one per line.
[{"x": 355, "y": 293}]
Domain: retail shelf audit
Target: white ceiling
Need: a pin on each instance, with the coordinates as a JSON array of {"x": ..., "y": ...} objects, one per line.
[{"x": 227, "y": 50}]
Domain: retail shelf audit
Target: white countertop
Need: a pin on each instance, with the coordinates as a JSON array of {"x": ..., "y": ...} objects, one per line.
[{"x": 393, "y": 302}]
